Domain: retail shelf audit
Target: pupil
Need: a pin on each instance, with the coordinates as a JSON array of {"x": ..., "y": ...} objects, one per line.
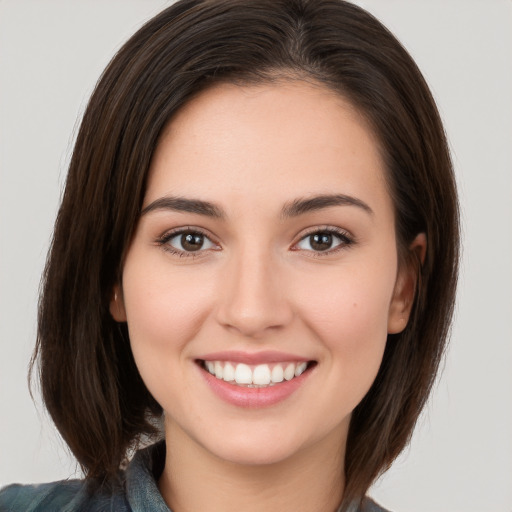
[
  {"x": 192, "y": 242},
  {"x": 321, "y": 241}
]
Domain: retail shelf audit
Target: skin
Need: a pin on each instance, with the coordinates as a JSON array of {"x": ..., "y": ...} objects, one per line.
[{"x": 258, "y": 284}]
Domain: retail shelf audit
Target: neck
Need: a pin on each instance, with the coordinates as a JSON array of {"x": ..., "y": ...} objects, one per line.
[{"x": 195, "y": 479}]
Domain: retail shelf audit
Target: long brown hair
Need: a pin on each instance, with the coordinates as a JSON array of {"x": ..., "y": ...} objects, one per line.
[{"x": 90, "y": 383}]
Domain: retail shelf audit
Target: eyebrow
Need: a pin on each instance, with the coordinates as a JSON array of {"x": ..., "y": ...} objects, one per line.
[
  {"x": 182, "y": 204},
  {"x": 303, "y": 205},
  {"x": 291, "y": 209}
]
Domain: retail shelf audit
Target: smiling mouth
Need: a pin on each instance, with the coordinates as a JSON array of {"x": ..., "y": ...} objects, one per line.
[{"x": 255, "y": 376}]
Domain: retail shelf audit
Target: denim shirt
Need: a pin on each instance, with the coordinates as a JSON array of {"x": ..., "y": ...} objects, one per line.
[{"x": 137, "y": 491}]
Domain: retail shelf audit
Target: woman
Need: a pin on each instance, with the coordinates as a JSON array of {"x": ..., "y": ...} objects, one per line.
[{"x": 255, "y": 258}]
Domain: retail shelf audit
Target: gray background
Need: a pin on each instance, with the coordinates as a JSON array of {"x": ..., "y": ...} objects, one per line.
[{"x": 52, "y": 52}]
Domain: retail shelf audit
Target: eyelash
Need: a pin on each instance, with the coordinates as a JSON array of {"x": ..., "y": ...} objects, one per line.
[
  {"x": 163, "y": 241},
  {"x": 346, "y": 240}
]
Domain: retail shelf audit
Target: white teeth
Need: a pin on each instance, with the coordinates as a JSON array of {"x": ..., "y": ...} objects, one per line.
[
  {"x": 256, "y": 376},
  {"x": 277, "y": 373},
  {"x": 261, "y": 375},
  {"x": 243, "y": 374},
  {"x": 289, "y": 372},
  {"x": 300, "y": 369},
  {"x": 229, "y": 372},
  {"x": 219, "y": 369}
]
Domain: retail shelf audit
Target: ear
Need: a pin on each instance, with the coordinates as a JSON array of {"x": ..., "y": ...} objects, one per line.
[
  {"x": 117, "y": 309},
  {"x": 405, "y": 285}
]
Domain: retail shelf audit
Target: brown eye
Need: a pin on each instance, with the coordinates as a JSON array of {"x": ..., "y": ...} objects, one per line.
[
  {"x": 324, "y": 241},
  {"x": 192, "y": 241},
  {"x": 188, "y": 241},
  {"x": 321, "y": 241}
]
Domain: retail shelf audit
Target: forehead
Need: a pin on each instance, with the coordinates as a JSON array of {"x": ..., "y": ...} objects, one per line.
[{"x": 267, "y": 142}]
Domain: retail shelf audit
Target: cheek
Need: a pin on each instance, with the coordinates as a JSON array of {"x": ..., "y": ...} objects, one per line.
[
  {"x": 165, "y": 309},
  {"x": 348, "y": 312}
]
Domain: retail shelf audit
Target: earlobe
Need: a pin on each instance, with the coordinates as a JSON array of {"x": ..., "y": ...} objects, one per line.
[
  {"x": 405, "y": 286},
  {"x": 117, "y": 309}
]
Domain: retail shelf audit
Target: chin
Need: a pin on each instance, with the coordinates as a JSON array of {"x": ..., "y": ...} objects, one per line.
[
  {"x": 252, "y": 454},
  {"x": 263, "y": 444}
]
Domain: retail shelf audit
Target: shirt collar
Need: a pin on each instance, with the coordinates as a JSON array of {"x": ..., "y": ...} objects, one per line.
[{"x": 141, "y": 479}]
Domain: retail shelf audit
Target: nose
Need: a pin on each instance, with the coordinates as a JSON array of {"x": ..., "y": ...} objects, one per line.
[{"x": 253, "y": 298}]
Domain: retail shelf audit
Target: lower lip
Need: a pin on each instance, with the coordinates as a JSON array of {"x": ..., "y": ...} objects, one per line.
[{"x": 254, "y": 397}]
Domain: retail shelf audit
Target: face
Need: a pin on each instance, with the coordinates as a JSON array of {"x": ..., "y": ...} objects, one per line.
[{"x": 262, "y": 279}]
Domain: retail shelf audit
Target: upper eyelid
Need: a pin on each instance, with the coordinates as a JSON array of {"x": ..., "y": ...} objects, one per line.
[
  {"x": 306, "y": 232},
  {"x": 340, "y": 232},
  {"x": 323, "y": 228},
  {"x": 193, "y": 229}
]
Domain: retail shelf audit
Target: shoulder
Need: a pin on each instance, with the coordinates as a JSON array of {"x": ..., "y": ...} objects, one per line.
[
  {"x": 369, "y": 505},
  {"x": 37, "y": 497},
  {"x": 64, "y": 495},
  {"x": 135, "y": 489}
]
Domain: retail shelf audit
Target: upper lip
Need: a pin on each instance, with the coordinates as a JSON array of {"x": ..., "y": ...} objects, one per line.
[{"x": 267, "y": 356}]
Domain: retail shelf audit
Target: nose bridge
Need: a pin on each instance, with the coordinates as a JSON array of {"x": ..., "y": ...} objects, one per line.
[{"x": 252, "y": 296}]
